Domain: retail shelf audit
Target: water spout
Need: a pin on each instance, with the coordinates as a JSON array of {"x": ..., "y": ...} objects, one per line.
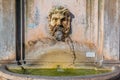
[{"x": 59, "y": 33}]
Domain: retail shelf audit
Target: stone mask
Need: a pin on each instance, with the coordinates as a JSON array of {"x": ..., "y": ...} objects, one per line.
[{"x": 59, "y": 23}]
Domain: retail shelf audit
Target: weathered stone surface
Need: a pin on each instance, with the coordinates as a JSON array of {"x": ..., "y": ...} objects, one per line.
[
  {"x": 7, "y": 29},
  {"x": 95, "y": 24},
  {"x": 111, "y": 29},
  {"x": 92, "y": 23}
]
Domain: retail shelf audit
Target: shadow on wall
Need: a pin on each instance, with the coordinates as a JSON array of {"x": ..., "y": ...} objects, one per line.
[{"x": 72, "y": 16}]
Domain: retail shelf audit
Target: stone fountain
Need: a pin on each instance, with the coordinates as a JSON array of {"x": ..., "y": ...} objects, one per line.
[
  {"x": 62, "y": 40},
  {"x": 58, "y": 48}
]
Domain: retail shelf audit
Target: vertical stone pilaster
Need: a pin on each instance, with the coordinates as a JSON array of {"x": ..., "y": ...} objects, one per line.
[
  {"x": 118, "y": 25},
  {"x": 0, "y": 14},
  {"x": 7, "y": 28},
  {"x": 101, "y": 25},
  {"x": 94, "y": 21},
  {"x": 88, "y": 18}
]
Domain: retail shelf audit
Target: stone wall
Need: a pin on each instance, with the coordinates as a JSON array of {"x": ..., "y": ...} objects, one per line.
[
  {"x": 7, "y": 29},
  {"x": 111, "y": 28},
  {"x": 84, "y": 25},
  {"x": 94, "y": 23}
]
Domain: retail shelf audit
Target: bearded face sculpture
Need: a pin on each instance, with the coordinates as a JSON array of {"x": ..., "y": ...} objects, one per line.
[{"x": 59, "y": 23}]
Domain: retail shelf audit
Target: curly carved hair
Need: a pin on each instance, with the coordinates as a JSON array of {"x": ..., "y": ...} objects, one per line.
[{"x": 59, "y": 9}]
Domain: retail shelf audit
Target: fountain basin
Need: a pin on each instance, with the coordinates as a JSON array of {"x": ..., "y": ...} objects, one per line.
[
  {"x": 5, "y": 74},
  {"x": 59, "y": 72}
]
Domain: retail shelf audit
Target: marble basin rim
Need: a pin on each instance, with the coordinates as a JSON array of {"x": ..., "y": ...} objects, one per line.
[{"x": 9, "y": 75}]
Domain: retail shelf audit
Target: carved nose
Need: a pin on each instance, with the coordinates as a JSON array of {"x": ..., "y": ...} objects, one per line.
[{"x": 59, "y": 22}]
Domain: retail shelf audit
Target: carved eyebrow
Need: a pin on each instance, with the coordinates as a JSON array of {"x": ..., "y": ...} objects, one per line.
[{"x": 55, "y": 18}]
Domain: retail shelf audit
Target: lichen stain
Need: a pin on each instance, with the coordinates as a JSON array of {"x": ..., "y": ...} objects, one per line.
[
  {"x": 90, "y": 44},
  {"x": 32, "y": 25}
]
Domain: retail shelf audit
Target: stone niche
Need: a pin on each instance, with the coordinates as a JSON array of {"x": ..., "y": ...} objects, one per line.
[
  {"x": 89, "y": 29},
  {"x": 79, "y": 37}
]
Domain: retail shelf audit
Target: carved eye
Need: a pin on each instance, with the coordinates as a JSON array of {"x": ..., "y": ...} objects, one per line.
[
  {"x": 55, "y": 19},
  {"x": 63, "y": 19}
]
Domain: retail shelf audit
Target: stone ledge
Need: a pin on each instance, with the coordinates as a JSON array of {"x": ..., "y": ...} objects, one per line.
[{"x": 5, "y": 75}]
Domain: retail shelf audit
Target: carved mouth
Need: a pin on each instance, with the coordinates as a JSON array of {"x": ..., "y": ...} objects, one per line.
[{"x": 59, "y": 33}]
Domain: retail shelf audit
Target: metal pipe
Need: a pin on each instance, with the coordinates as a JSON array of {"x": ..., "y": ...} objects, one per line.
[
  {"x": 23, "y": 29},
  {"x": 18, "y": 31}
]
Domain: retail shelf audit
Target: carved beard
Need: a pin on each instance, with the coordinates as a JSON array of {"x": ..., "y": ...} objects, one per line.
[{"x": 57, "y": 32}]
